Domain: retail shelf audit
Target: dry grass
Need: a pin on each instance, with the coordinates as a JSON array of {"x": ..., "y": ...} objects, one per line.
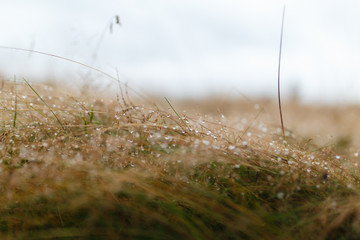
[{"x": 84, "y": 166}]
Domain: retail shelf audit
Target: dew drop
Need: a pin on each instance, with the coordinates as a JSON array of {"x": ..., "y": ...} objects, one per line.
[
  {"x": 205, "y": 142},
  {"x": 231, "y": 147},
  {"x": 280, "y": 195}
]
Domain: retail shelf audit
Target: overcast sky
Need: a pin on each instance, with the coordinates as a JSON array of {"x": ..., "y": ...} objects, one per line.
[{"x": 190, "y": 47}]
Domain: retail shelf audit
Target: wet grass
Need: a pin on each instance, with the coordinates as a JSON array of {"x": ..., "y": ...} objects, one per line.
[{"x": 86, "y": 167}]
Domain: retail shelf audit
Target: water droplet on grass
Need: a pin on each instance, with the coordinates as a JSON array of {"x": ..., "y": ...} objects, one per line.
[
  {"x": 286, "y": 151},
  {"x": 280, "y": 195},
  {"x": 205, "y": 142}
]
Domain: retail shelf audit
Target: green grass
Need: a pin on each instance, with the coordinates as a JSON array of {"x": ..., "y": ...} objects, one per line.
[{"x": 86, "y": 168}]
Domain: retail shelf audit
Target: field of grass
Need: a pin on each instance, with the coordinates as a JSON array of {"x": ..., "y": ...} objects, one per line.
[{"x": 81, "y": 165}]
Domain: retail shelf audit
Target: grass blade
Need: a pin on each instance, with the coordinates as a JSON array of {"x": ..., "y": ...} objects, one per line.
[
  {"x": 15, "y": 107},
  {"x": 44, "y": 103},
  {"x": 176, "y": 112}
]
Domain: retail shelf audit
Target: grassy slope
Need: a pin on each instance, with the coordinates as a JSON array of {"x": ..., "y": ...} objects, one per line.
[{"x": 117, "y": 170}]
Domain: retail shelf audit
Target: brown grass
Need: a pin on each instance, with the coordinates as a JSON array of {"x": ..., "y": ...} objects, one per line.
[{"x": 116, "y": 169}]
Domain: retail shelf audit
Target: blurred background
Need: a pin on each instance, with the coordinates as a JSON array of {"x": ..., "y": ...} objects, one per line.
[{"x": 190, "y": 48}]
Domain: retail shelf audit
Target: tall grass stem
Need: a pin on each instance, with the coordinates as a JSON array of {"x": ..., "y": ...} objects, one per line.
[
  {"x": 15, "y": 107},
  {"x": 279, "y": 68}
]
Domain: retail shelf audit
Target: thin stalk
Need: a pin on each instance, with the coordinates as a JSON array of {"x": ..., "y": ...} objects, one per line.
[
  {"x": 76, "y": 62},
  {"x": 38, "y": 112},
  {"x": 15, "y": 107},
  {"x": 45, "y": 104},
  {"x": 176, "y": 112},
  {"x": 279, "y": 65}
]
